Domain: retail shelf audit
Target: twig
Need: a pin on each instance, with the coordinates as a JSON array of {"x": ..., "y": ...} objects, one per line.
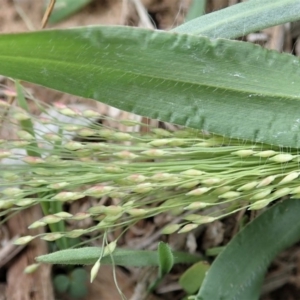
[
  {"x": 48, "y": 13},
  {"x": 143, "y": 14},
  {"x": 23, "y": 16}
]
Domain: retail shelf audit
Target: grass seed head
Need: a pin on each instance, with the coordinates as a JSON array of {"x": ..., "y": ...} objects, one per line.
[
  {"x": 143, "y": 188},
  {"x": 259, "y": 204},
  {"x": 31, "y": 268},
  {"x": 7, "y": 203},
  {"x": 13, "y": 192},
  {"x": 136, "y": 178},
  {"x": 98, "y": 190},
  {"x": 192, "y": 173},
  {"x": 137, "y": 212},
  {"x": 121, "y": 136},
  {"x": 58, "y": 185},
  {"x": 73, "y": 146},
  {"x": 4, "y": 104},
  {"x": 125, "y": 155},
  {"x": 204, "y": 220},
  {"x": 248, "y": 186},
  {"x": 230, "y": 195},
  {"x": 211, "y": 181},
  {"x": 154, "y": 152},
  {"x": 5, "y": 153},
  {"x": 163, "y": 176},
  {"x": 90, "y": 114},
  {"x": 21, "y": 116},
  {"x": 71, "y": 127},
  {"x": 265, "y": 153},
  {"x": 288, "y": 178},
  {"x": 68, "y": 112},
  {"x": 177, "y": 142},
  {"x": 222, "y": 190},
  {"x": 196, "y": 205},
  {"x": 81, "y": 216},
  {"x": 53, "y": 236},
  {"x": 110, "y": 248},
  {"x": 159, "y": 142},
  {"x": 106, "y": 133},
  {"x": 24, "y": 135},
  {"x": 296, "y": 190},
  {"x": 32, "y": 160},
  {"x": 266, "y": 181},
  {"x": 24, "y": 240},
  {"x": 86, "y": 132},
  {"x": 112, "y": 210},
  {"x": 188, "y": 228},
  {"x": 281, "y": 192},
  {"x": 262, "y": 194},
  {"x": 282, "y": 158},
  {"x": 161, "y": 132},
  {"x": 37, "y": 224},
  {"x": 95, "y": 269},
  {"x": 67, "y": 196},
  {"x": 10, "y": 176},
  {"x": 171, "y": 228},
  {"x": 26, "y": 202},
  {"x": 51, "y": 137},
  {"x": 50, "y": 219},
  {"x": 75, "y": 233},
  {"x": 189, "y": 184},
  {"x": 199, "y": 191},
  {"x": 243, "y": 153},
  {"x": 63, "y": 215}
]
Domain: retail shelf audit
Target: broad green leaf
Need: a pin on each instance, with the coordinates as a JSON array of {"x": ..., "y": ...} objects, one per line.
[
  {"x": 165, "y": 259},
  {"x": 165, "y": 263},
  {"x": 65, "y": 8},
  {"x": 193, "y": 277},
  {"x": 121, "y": 257},
  {"x": 243, "y": 18},
  {"x": 238, "y": 272},
  {"x": 231, "y": 88}
]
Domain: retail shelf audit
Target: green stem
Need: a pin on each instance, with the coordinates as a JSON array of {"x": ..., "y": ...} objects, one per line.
[{"x": 47, "y": 207}]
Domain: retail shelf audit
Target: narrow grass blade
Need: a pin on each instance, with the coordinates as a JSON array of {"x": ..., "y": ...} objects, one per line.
[
  {"x": 26, "y": 125},
  {"x": 196, "y": 9},
  {"x": 65, "y": 8},
  {"x": 238, "y": 272},
  {"x": 243, "y": 18},
  {"x": 121, "y": 257},
  {"x": 165, "y": 258}
]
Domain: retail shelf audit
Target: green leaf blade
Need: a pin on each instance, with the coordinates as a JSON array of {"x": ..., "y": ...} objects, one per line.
[
  {"x": 65, "y": 8},
  {"x": 234, "y": 89},
  {"x": 121, "y": 257},
  {"x": 193, "y": 277},
  {"x": 196, "y": 9},
  {"x": 238, "y": 272},
  {"x": 243, "y": 18},
  {"x": 165, "y": 259}
]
